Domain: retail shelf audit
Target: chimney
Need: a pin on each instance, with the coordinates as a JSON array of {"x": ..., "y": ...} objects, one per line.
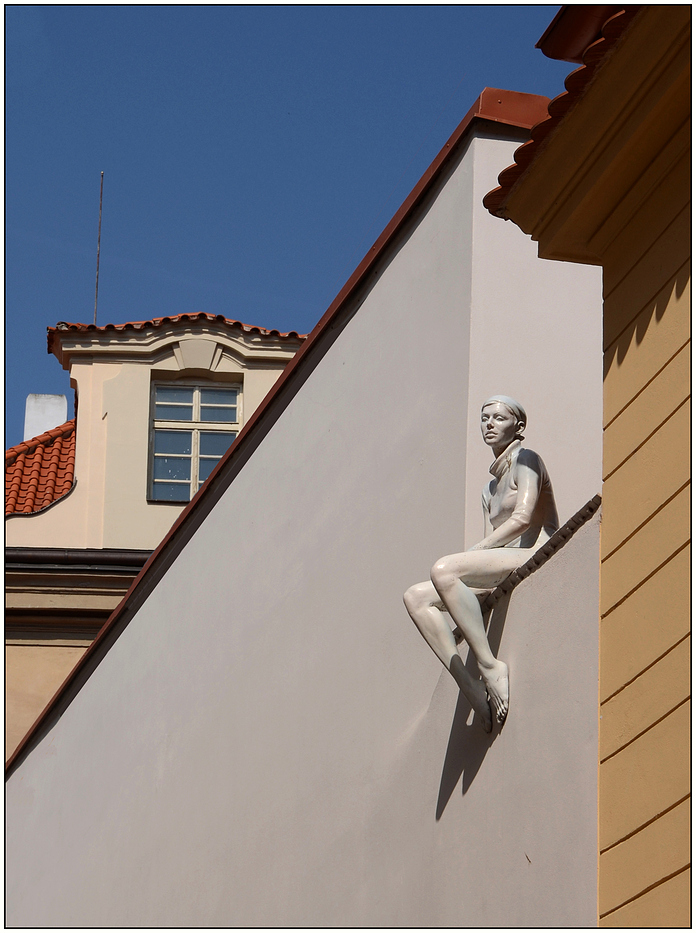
[{"x": 43, "y": 412}]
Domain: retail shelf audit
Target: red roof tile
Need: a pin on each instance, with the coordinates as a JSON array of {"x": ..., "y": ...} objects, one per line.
[
  {"x": 40, "y": 471},
  {"x": 54, "y": 333},
  {"x": 576, "y": 85},
  {"x": 572, "y": 29}
]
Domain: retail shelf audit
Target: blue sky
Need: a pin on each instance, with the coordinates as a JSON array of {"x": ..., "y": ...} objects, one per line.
[{"x": 251, "y": 154}]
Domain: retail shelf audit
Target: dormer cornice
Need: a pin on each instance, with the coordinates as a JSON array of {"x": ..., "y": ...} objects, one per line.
[{"x": 146, "y": 340}]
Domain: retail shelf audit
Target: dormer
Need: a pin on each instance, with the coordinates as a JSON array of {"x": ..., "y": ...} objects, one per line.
[{"x": 157, "y": 404}]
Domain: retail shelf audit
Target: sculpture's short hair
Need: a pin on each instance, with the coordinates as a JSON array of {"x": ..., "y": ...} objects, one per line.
[{"x": 514, "y": 407}]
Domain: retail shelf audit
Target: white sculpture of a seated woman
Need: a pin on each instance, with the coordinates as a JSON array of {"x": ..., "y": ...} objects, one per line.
[{"x": 520, "y": 516}]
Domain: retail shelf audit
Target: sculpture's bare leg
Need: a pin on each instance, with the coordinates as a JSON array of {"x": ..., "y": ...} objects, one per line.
[
  {"x": 484, "y": 568},
  {"x": 422, "y": 602}
]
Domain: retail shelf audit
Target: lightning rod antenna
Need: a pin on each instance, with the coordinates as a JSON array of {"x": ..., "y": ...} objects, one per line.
[{"x": 96, "y": 287}]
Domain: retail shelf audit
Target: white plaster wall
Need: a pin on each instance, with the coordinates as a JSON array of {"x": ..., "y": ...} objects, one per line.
[
  {"x": 536, "y": 335},
  {"x": 267, "y": 742}
]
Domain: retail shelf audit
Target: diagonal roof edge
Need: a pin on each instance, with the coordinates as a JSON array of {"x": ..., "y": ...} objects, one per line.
[
  {"x": 576, "y": 84},
  {"x": 538, "y": 559},
  {"x": 545, "y": 552},
  {"x": 512, "y": 108}
]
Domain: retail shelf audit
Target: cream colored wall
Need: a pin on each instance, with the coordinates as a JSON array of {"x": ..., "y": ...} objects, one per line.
[
  {"x": 108, "y": 507},
  {"x": 536, "y": 335},
  {"x": 51, "y": 617},
  {"x": 33, "y": 673},
  {"x": 644, "y": 684}
]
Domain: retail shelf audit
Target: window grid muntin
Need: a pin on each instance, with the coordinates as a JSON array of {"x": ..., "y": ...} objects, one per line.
[{"x": 195, "y": 428}]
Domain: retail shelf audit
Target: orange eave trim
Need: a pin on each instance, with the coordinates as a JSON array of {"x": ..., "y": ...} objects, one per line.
[
  {"x": 576, "y": 85},
  {"x": 572, "y": 30},
  {"x": 512, "y": 108},
  {"x": 64, "y": 328}
]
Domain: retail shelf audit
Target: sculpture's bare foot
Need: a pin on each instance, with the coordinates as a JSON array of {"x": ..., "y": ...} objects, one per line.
[{"x": 498, "y": 689}]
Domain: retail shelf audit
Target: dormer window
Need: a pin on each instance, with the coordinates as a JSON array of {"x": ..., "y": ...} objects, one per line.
[{"x": 192, "y": 427}]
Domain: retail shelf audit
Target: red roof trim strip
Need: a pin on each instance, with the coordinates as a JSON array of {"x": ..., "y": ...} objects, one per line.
[
  {"x": 55, "y": 333},
  {"x": 572, "y": 29},
  {"x": 40, "y": 471},
  {"x": 576, "y": 85},
  {"x": 509, "y": 107}
]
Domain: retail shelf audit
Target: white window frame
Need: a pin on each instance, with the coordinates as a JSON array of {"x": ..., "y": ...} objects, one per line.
[{"x": 196, "y": 427}]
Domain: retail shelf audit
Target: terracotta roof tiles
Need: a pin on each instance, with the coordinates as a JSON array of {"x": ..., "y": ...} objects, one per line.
[
  {"x": 576, "y": 85},
  {"x": 40, "y": 471},
  {"x": 62, "y": 326}
]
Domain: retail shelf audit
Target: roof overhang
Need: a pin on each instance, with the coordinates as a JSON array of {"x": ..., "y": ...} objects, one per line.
[
  {"x": 608, "y": 141},
  {"x": 573, "y": 29}
]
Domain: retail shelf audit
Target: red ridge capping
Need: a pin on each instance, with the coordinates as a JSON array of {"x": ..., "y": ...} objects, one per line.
[
  {"x": 40, "y": 471},
  {"x": 513, "y": 108},
  {"x": 54, "y": 333},
  {"x": 576, "y": 85}
]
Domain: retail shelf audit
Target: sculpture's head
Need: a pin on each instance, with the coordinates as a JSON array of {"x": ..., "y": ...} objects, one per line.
[{"x": 502, "y": 421}]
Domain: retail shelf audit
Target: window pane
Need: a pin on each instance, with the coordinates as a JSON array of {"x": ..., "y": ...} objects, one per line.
[
  {"x": 209, "y": 413},
  {"x": 172, "y": 442},
  {"x": 218, "y": 396},
  {"x": 174, "y": 412},
  {"x": 172, "y": 468},
  {"x": 205, "y": 468},
  {"x": 171, "y": 492},
  {"x": 174, "y": 394},
  {"x": 215, "y": 444}
]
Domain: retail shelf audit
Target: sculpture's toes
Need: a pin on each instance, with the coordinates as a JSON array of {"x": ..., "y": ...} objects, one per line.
[
  {"x": 498, "y": 689},
  {"x": 498, "y": 709},
  {"x": 504, "y": 705}
]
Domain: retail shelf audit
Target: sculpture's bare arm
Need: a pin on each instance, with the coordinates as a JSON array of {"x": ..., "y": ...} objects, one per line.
[{"x": 521, "y": 519}]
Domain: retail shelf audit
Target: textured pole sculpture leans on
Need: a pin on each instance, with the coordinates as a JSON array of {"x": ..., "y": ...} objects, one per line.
[{"x": 520, "y": 516}]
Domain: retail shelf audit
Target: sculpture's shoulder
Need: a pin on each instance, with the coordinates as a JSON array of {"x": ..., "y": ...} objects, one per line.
[{"x": 531, "y": 459}]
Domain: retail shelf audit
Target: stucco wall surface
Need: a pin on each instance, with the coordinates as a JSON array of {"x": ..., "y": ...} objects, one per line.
[
  {"x": 536, "y": 335},
  {"x": 269, "y": 742},
  {"x": 33, "y": 673}
]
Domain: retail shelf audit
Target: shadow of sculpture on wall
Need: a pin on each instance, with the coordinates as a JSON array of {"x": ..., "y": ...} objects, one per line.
[{"x": 468, "y": 744}]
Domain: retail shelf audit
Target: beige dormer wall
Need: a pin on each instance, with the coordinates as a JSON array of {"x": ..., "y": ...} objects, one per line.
[{"x": 112, "y": 373}]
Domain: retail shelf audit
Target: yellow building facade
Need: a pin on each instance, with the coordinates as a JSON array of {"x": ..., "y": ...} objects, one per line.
[{"x": 606, "y": 180}]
